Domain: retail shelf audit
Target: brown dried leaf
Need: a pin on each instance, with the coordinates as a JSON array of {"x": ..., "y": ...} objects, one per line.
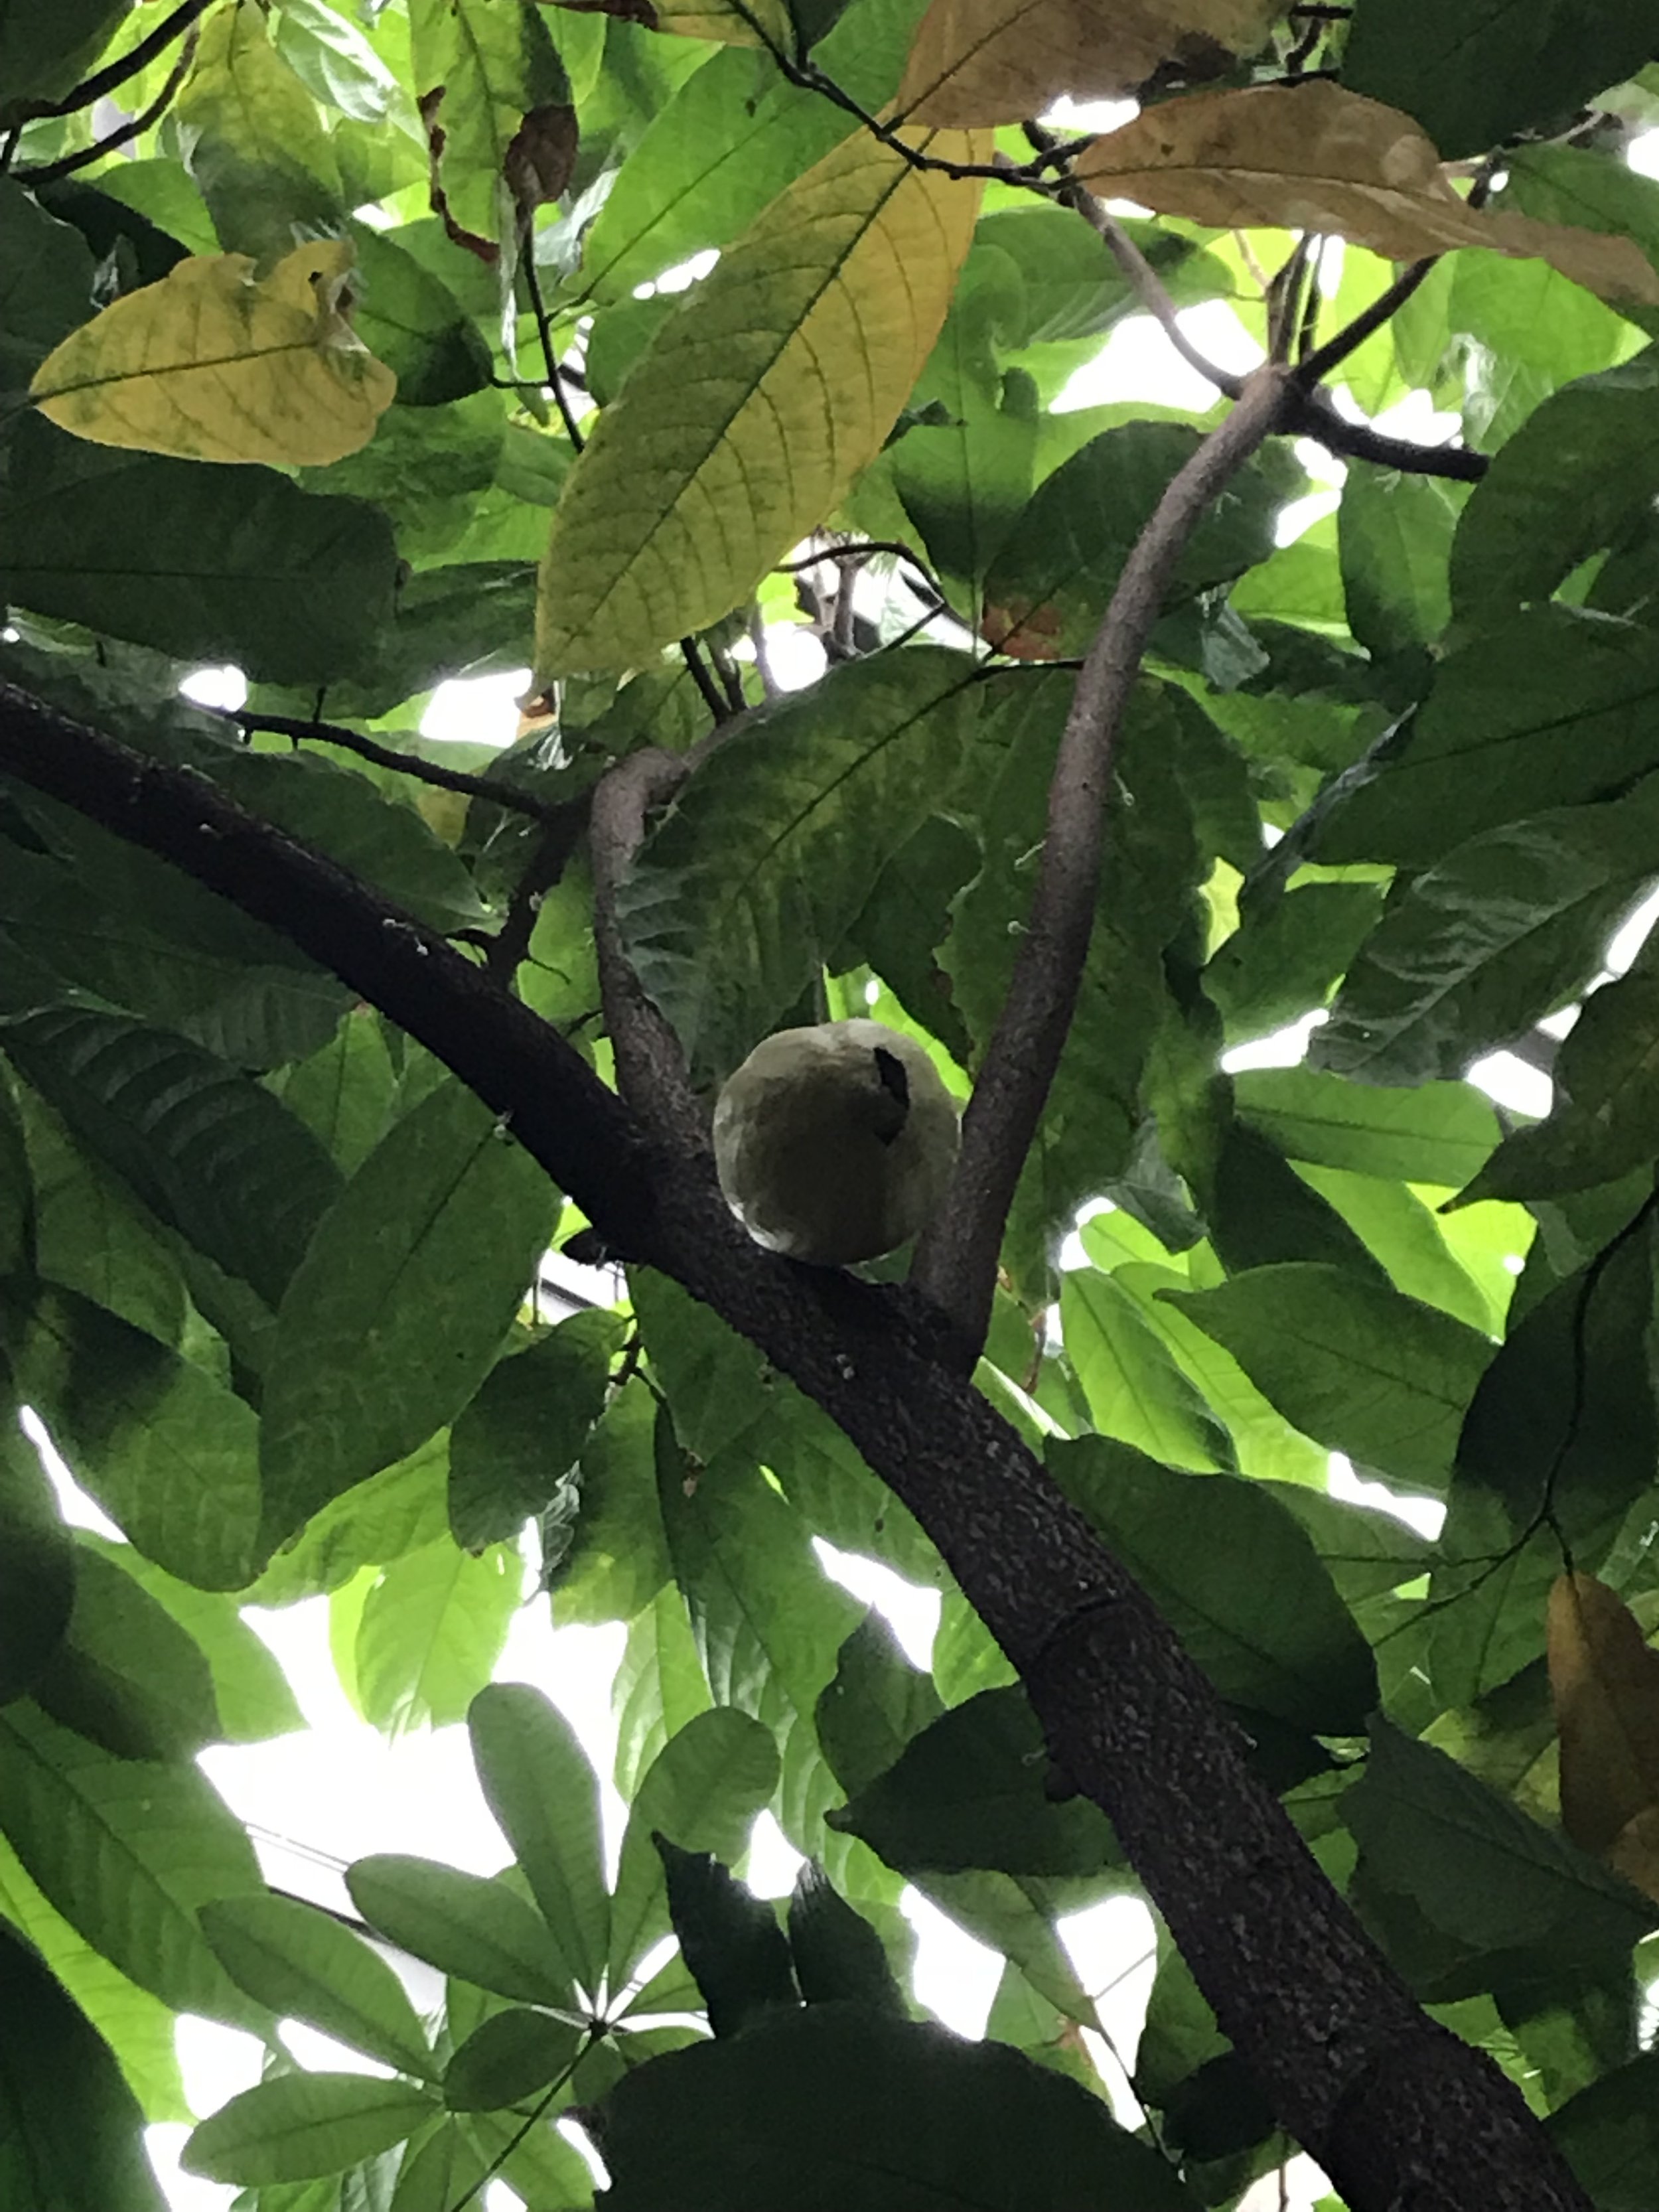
[
  {"x": 976, "y": 61},
  {"x": 539, "y": 159},
  {"x": 1605, "y": 1680},
  {"x": 1315, "y": 157}
]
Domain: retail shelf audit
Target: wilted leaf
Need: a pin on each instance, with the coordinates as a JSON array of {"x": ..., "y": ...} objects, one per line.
[
  {"x": 1605, "y": 1680},
  {"x": 1313, "y": 156},
  {"x": 759, "y": 401},
  {"x": 983, "y": 61},
  {"x": 215, "y": 364}
]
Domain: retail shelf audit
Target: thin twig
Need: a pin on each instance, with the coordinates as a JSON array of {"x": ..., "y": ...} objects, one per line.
[
  {"x": 956, "y": 1261},
  {"x": 544, "y": 332},
  {"x": 554, "y": 814},
  {"x": 1143, "y": 280},
  {"x": 1354, "y": 335},
  {"x": 45, "y": 172},
  {"x": 704, "y": 682},
  {"x": 105, "y": 80}
]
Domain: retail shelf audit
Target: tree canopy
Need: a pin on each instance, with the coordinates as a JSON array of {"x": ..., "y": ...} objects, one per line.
[{"x": 727, "y": 364}]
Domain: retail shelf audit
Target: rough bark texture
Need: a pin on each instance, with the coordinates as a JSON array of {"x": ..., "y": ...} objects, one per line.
[{"x": 1403, "y": 2116}]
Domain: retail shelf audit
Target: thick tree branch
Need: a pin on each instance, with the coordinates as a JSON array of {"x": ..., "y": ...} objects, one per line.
[
  {"x": 651, "y": 1071},
  {"x": 956, "y": 1263},
  {"x": 1397, "y": 2110}
]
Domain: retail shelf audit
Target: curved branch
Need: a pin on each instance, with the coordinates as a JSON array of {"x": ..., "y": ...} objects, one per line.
[
  {"x": 1395, "y": 2108},
  {"x": 44, "y": 173},
  {"x": 553, "y": 814},
  {"x": 956, "y": 1262}
]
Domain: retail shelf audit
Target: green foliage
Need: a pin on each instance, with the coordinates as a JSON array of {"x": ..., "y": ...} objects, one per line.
[{"x": 272, "y": 1283}]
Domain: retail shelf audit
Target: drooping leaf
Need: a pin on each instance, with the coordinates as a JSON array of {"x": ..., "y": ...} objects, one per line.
[
  {"x": 432, "y": 1242},
  {"x": 775, "y": 843},
  {"x": 216, "y": 364},
  {"x": 1236, "y": 1576},
  {"x": 524, "y": 1432},
  {"x": 839, "y": 2102},
  {"x": 258, "y": 152},
  {"x": 482, "y": 74},
  {"x": 1437, "y": 1133},
  {"x": 1135, "y": 1391},
  {"x": 754, "y": 416},
  {"x": 977, "y": 62},
  {"x": 209, "y": 563},
  {"x": 1365, "y": 1371},
  {"x": 69, "y": 2138},
  {"x": 1604, "y": 1682},
  {"x": 45, "y": 281},
  {"x": 1504, "y": 930},
  {"x": 729, "y": 1938},
  {"x": 209, "y": 1150},
  {"x": 1476, "y": 80},
  {"x": 431, "y": 1631},
  {"x": 126, "y": 1674},
  {"x": 167, "y": 1449},
  {"x": 128, "y": 1850},
  {"x": 1316, "y": 157}
]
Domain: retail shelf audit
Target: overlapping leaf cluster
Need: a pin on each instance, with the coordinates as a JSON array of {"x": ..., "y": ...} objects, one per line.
[{"x": 264, "y": 1266}]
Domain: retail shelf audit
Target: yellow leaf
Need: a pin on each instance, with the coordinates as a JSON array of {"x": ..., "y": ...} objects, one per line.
[
  {"x": 984, "y": 61},
  {"x": 755, "y": 23},
  {"x": 213, "y": 365},
  {"x": 1314, "y": 157},
  {"x": 1606, "y": 1685},
  {"x": 760, "y": 399}
]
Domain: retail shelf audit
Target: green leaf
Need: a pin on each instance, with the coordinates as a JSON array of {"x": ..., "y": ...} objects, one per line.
[
  {"x": 876, "y": 1704},
  {"x": 1287, "y": 954},
  {"x": 508, "y": 2058},
  {"x": 42, "y": 57},
  {"x": 729, "y": 1939},
  {"x": 126, "y": 1674},
  {"x": 432, "y": 1242},
  {"x": 1135, "y": 1391},
  {"x": 779, "y": 839},
  {"x": 1605, "y": 1118},
  {"x": 1550, "y": 708},
  {"x": 1505, "y": 928},
  {"x": 1365, "y": 1371},
  {"x": 251, "y": 1691},
  {"x": 461, "y": 1923},
  {"x": 470, "y": 619},
  {"x": 1437, "y": 1133},
  {"x": 480, "y": 71},
  {"x": 727, "y": 142},
  {"x": 754, "y": 416},
  {"x": 1236, "y": 1576},
  {"x": 520, "y": 1438},
  {"x": 1473, "y": 82},
  {"x": 1475, "y": 1864},
  {"x": 206, "y": 561},
  {"x": 205, "y": 1147},
  {"x": 703, "y": 1791},
  {"x": 38, "y": 1566},
  {"x": 618, "y": 1557},
  {"x": 839, "y": 1957},
  {"x": 128, "y": 1851},
  {"x": 69, "y": 2138},
  {"x": 839, "y": 2104},
  {"x": 537, "y": 1781},
  {"x": 1048, "y": 585},
  {"x": 1581, "y": 472},
  {"x": 969, "y": 1792},
  {"x": 1394, "y": 535},
  {"x": 304, "y": 1965},
  {"x": 659, "y": 1686},
  {"x": 168, "y": 1452},
  {"x": 410, "y": 320},
  {"x": 303, "y": 2124},
  {"x": 1609, "y": 2135},
  {"x": 257, "y": 147},
  {"x": 432, "y": 1630},
  {"x": 46, "y": 284}
]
